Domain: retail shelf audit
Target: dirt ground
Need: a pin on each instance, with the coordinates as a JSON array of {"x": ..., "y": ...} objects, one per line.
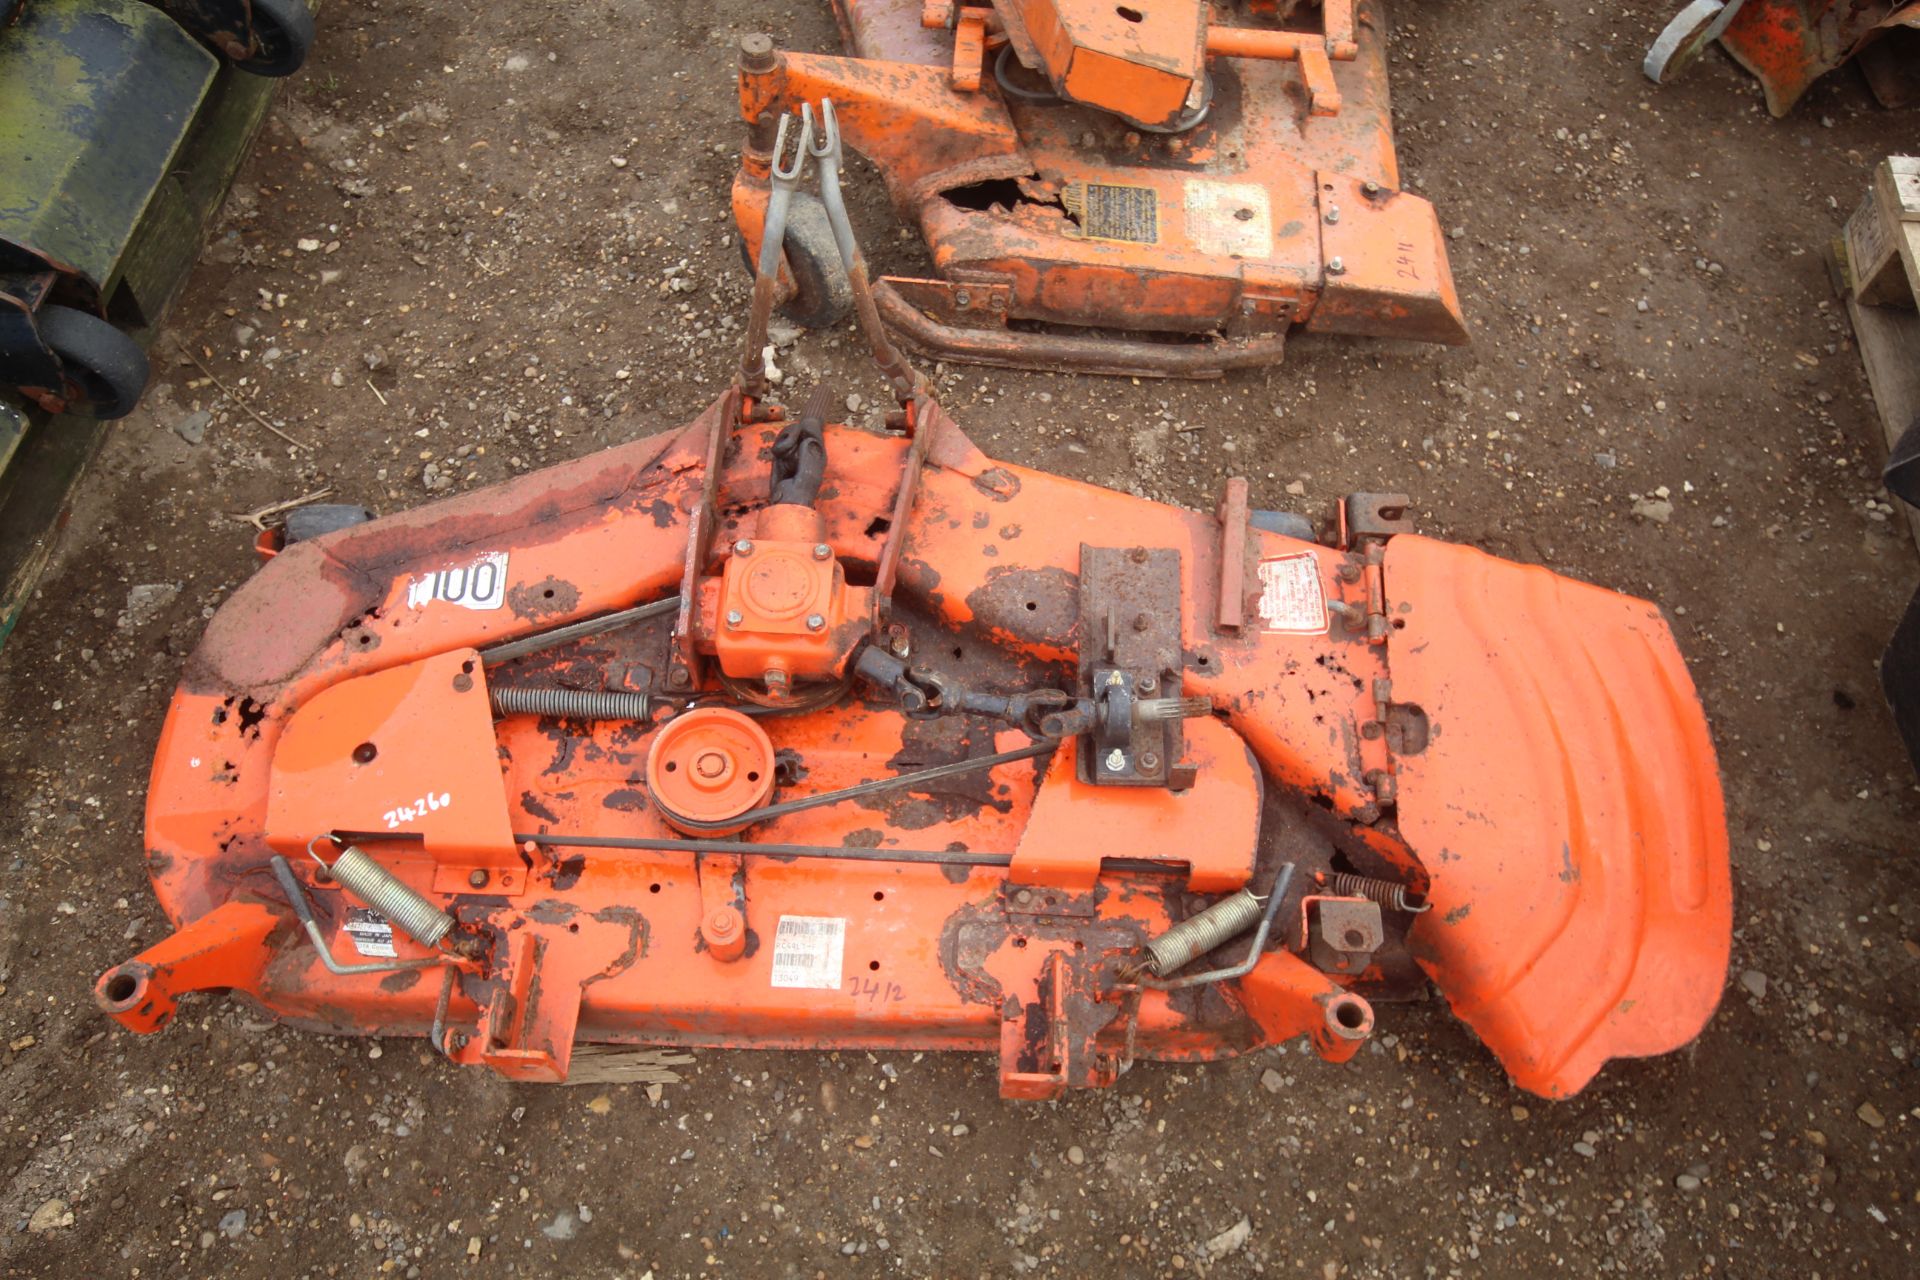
[{"x": 476, "y": 239}]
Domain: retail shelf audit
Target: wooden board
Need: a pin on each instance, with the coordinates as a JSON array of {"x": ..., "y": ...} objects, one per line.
[{"x": 1889, "y": 341}]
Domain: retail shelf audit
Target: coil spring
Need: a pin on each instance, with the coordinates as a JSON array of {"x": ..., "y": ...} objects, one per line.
[
  {"x": 571, "y": 704},
  {"x": 1195, "y": 937},
  {"x": 374, "y": 885},
  {"x": 1390, "y": 894}
]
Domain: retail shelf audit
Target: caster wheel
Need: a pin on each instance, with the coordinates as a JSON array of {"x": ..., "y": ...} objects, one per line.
[
  {"x": 282, "y": 35},
  {"x": 823, "y": 298},
  {"x": 105, "y": 369}
]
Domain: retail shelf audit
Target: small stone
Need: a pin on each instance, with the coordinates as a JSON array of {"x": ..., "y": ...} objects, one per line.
[
  {"x": 959, "y": 1131},
  {"x": 618, "y": 162},
  {"x": 244, "y": 333},
  {"x": 1870, "y": 1116},
  {"x": 1658, "y": 510},
  {"x": 1233, "y": 1238},
  {"x": 1605, "y": 461},
  {"x": 193, "y": 427},
  {"x": 1272, "y": 1081},
  {"x": 1076, "y": 1156},
  {"x": 51, "y": 1216},
  {"x": 375, "y": 359},
  {"x": 1584, "y": 1149},
  {"x": 234, "y": 1225},
  {"x": 1520, "y": 1113},
  {"x": 601, "y": 1105},
  {"x": 1755, "y": 982},
  {"x": 307, "y": 245},
  {"x": 1296, "y": 488},
  {"x": 516, "y": 63},
  {"x": 563, "y": 1227},
  {"x": 1687, "y": 1182}
]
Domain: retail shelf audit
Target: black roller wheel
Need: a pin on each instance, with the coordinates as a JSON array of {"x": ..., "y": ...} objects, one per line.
[
  {"x": 823, "y": 298},
  {"x": 105, "y": 369},
  {"x": 282, "y": 35}
]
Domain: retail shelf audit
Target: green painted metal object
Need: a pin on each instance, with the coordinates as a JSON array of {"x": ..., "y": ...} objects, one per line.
[{"x": 96, "y": 98}]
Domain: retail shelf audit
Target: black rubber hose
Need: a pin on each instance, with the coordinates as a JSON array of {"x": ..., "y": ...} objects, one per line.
[{"x": 800, "y": 452}]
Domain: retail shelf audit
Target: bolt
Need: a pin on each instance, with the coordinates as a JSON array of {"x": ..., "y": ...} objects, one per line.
[
  {"x": 733, "y": 618},
  {"x": 1349, "y": 572},
  {"x": 822, "y": 551},
  {"x": 1371, "y": 187},
  {"x": 1333, "y": 213},
  {"x": 1024, "y": 896},
  {"x": 1149, "y": 762},
  {"x": 1141, "y": 622},
  {"x": 478, "y": 879},
  {"x": 743, "y": 548},
  {"x": 815, "y": 622},
  {"x": 756, "y": 53},
  {"x": 1246, "y": 306},
  {"x": 1147, "y": 683},
  {"x": 775, "y": 679},
  {"x": 1336, "y": 267},
  {"x": 679, "y": 677},
  {"x": 1138, "y": 555},
  {"x": 963, "y": 298},
  {"x": 462, "y": 682}
]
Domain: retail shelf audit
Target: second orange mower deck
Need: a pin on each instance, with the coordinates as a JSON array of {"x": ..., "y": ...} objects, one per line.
[{"x": 1067, "y": 231}]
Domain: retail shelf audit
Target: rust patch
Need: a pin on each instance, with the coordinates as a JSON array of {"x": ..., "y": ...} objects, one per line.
[
  {"x": 549, "y": 598},
  {"x": 1033, "y": 606},
  {"x": 924, "y": 744},
  {"x": 626, "y": 800},
  {"x": 552, "y": 911},
  {"x": 997, "y": 483}
]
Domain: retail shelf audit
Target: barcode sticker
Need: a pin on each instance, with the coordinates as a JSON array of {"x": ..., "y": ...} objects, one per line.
[
  {"x": 1291, "y": 597},
  {"x": 370, "y": 933},
  {"x": 807, "y": 951}
]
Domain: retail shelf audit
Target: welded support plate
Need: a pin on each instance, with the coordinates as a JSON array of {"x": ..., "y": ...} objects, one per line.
[{"x": 1130, "y": 649}]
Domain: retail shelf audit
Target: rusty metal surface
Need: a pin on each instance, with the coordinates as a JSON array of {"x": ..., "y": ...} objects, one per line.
[{"x": 1282, "y": 208}]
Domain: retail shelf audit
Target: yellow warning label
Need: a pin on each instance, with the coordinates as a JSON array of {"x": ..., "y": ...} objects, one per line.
[{"x": 1109, "y": 212}]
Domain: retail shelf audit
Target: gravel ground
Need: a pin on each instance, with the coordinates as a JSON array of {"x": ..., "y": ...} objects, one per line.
[{"x": 475, "y": 240}]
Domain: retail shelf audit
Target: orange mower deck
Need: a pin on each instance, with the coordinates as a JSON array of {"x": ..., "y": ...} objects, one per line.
[
  {"x": 1164, "y": 190},
  {"x": 1120, "y": 717}
]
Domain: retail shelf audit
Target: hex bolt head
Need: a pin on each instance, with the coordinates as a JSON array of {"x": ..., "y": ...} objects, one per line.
[
  {"x": 733, "y": 618},
  {"x": 1333, "y": 213},
  {"x": 1336, "y": 267},
  {"x": 815, "y": 622},
  {"x": 963, "y": 298},
  {"x": 822, "y": 551},
  {"x": 462, "y": 682},
  {"x": 1147, "y": 683},
  {"x": 1371, "y": 187},
  {"x": 743, "y": 548},
  {"x": 477, "y": 878},
  {"x": 1149, "y": 762},
  {"x": 1024, "y": 896}
]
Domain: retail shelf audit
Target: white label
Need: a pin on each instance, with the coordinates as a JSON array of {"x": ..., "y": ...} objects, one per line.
[
  {"x": 1234, "y": 219},
  {"x": 1291, "y": 598},
  {"x": 478, "y": 584},
  {"x": 807, "y": 951},
  {"x": 370, "y": 933}
]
